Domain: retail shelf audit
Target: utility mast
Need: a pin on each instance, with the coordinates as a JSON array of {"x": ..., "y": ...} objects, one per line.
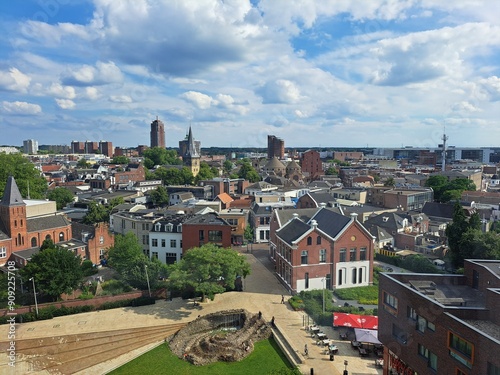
[{"x": 445, "y": 138}]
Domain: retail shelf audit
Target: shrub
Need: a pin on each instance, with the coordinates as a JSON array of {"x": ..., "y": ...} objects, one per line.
[
  {"x": 88, "y": 268},
  {"x": 115, "y": 287}
]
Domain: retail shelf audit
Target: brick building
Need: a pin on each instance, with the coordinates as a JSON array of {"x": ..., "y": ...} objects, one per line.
[
  {"x": 203, "y": 229},
  {"x": 275, "y": 147},
  {"x": 97, "y": 238},
  {"x": 441, "y": 324},
  {"x": 311, "y": 164}
]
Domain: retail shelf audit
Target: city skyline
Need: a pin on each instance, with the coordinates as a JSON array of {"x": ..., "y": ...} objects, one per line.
[{"x": 315, "y": 74}]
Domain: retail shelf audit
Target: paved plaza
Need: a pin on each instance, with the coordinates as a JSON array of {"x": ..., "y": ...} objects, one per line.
[{"x": 262, "y": 292}]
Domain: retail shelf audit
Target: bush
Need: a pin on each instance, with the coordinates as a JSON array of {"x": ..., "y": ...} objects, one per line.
[
  {"x": 115, "y": 304},
  {"x": 297, "y": 303},
  {"x": 88, "y": 268},
  {"x": 143, "y": 301},
  {"x": 115, "y": 287}
]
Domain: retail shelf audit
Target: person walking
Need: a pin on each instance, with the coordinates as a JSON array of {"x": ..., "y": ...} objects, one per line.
[
  {"x": 306, "y": 351},
  {"x": 282, "y": 299}
]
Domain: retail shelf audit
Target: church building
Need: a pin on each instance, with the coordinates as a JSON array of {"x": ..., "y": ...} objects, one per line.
[{"x": 190, "y": 151}]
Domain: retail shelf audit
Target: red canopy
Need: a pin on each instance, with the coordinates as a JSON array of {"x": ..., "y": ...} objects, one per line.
[{"x": 355, "y": 321}]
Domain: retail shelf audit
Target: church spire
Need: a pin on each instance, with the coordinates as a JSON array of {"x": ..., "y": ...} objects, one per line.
[{"x": 11, "y": 194}]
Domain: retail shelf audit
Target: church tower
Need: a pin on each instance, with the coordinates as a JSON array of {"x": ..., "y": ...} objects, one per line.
[
  {"x": 190, "y": 152},
  {"x": 13, "y": 215}
]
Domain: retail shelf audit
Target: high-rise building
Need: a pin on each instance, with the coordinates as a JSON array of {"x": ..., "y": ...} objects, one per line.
[
  {"x": 106, "y": 148},
  {"x": 30, "y": 146},
  {"x": 157, "y": 134},
  {"x": 190, "y": 150},
  {"x": 77, "y": 147},
  {"x": 275, "y": 147},
  {"x": 311, "y": 163}
]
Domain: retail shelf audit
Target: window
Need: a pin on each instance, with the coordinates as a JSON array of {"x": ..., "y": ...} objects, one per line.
[
  {"x": 309, "y": 240},
  {"x": 33, "y": 242},
  {"x": 432, "y": 327},
  {"x": 133, "y": 225},
  {"x": 341, "y": 278},
  {"x": 318, "y": 240},
  {"x": 430, "y": 356},
  {"x": 170, "y": 258},
  {"x": 154, "y": 242},
  {"x": 399, "y": 334},
  {"x": 61, "y": 236},
  {"x": 101, "y": 239},
  {"x": 411, "y": 313},
  {"x": 3, "y": 252},
  {"x": 421, "y": 324},
  {"x": 360, "y": 275},
  {"x": 215, "y": 235},
  {"x": 180, "y": 244},
  {"x": 303, "y": 257},
  {"x": 179, "y": 228},
  {"x": 492, "y": 369},
  {"x": 232, "y": 221},
  {"x": 354, "y": 273},
  {"x": 362, "y": 253},
  {"x": 262, "y": 234},
  {"x": 390, "y": 303},
  {"x": 144, "y": 239},
  {"x": 352, "y": 255},
  {"x": 322, "y": 255},
  {"x": 102, "y": 253},
  {"x": 154, "y": 255},
  {"x": 173, "y": 243},
  {"x": 342, "y": 255},
  {"x": 123, "y": 224},
  {"x": 201, "y": 235},
  {"x": 163, "y": 242},
  {"x": 460, "y": 349}
]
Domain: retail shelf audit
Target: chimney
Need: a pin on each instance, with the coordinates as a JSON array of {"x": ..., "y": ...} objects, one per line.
[
  {"x": 295, "y": 215},
  {"x": 354, "y": 216},
  {"x": 322, "y": 204},
  {"x": 314, "y": 224}
]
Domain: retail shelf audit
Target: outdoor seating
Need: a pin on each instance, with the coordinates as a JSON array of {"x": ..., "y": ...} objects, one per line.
[
  {"x": 355, "y": 344},
  {"x": 379, "y": 363},
  {"x": 362, "y": 352},
  {"x": 321, "y": 336},
  {"x": 343, "y": 335}
]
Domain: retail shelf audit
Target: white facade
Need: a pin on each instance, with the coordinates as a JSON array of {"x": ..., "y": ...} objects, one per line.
[{"x": 165, "y": 242}]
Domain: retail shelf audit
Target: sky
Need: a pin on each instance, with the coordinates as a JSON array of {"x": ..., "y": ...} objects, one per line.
[{"x": 325, "y": 73}]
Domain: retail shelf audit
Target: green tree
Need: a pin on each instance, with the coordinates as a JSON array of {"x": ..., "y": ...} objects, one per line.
[
  {"x": 227, "y": 167},
  {"x": 174, "y": 176},
  {"x": 389, "y": 182},
  {"x": 159, "y": 196},
  {"x": 61, "y": 196},
  {"x": 419, "y": 264},
  {"x": 120, "y": 159},
  {"x": 82, "y": 163},
  {"x": 331, "y": 171},
  {"x": 127, "y": 258},
  {"x": 475, "y": 244},
  {"x": 205, "y": 173},
  {"x": 447, "y": 191},
  {"x": 27, "y": 177},
  {"x": 209, "y": 270},
  {"x": 454, "y": 233},
  {"x": 97, "y": 213},
  {"x": 249, "y": 233},
  {"x": 160, "y": 156},
  {"x": 248, "y": 172},
  {"x": 56, "y": 271}
]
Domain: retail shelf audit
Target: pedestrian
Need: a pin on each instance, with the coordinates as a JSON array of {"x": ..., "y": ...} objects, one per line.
[
  {"x": 260, "y": 314},
  {"x": 272, "y": 322},
  {"x": 282, "y": 298},
  {"x": 306, "y": 351}
]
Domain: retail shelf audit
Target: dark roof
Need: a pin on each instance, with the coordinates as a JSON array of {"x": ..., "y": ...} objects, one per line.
[
  {"x": 46, "y": 222},
  {"x": 173, "y": 219},
  {"x": 305, "y": 214},
  {"x": 11, "y": 194},
  {"x": 387, "y": 220},
  {"x": 3, "y": 232},
  {"x": 379, "y": 233},
  {"x": 442, "y": 210},
  {"x": 330, "y": 222},
  {"x": 78, "y": 229},
  {"x": 293, "y": 230},
  {"x": 210, "y": 218},
  {"x": 321, "y": 197}
]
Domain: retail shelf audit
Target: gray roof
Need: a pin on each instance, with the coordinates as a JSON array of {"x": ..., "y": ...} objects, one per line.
[
  {"x": 305, "y": 214},
  {"x": 441, "y": 210},
  {"x": 293, "y": 230},
  {"x": 46, "y": 222},
  {"x": 379, "y": 233},
  {"x": 210, "y": 218},
  {"x": 387, "y": 220},
  {"x": 321, "y": 197},
  {"x": 78, "y": 228},
  {"x": 11, "y": 194},
  {"x": 173, "y": 219},
  {"x": 330, "y": 221}
]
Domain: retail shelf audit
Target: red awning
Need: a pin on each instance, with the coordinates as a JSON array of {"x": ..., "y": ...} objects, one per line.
[{"x": 355, "y": 321}]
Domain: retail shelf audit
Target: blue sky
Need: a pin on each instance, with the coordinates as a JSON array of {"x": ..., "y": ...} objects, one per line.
[{"x": 329, "y": 73}]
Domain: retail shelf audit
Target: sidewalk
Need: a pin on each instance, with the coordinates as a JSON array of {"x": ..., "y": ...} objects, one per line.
[{"x": 262, "y": 292}]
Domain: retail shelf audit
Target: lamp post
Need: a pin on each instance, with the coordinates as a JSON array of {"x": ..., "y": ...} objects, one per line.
[
  {"x": 147, "y": 278},
  {"x": 345, "y": 369},
  {"x": 323, "y": 281},
  {"x": 34, "y": 293}
]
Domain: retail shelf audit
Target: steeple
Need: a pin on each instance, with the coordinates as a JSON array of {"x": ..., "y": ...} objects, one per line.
[
  {"x": 11, "y": 194},
  {"x": 191, "y": 151}
]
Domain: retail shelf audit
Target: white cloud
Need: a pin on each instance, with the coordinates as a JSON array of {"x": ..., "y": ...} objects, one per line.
[
  {"x": 14, "y": 80},
  {"x": 280, "y": 91},
  {"x": 103, "y": 73},
  {"x": 65, "y": 92},
  {"x": 120, "y": 99},
  {"x": 65, "y": 103},
  {"x": 200, "y": 100},
  {"x": 92, "y": 93},
  {"x": 21, "y": 108}
]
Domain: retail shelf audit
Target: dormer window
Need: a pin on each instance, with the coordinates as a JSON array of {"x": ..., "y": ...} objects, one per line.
[
  {"x": 179, "y": 228},
  {"x": 157, "y": 227},
  {"x": 169, "y": 227}
]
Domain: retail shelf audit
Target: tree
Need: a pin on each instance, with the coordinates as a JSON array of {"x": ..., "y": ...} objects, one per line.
[
  {"x": 28, "y": 178},
  {"x": 97, "y": 213},
  {"x": 61, "y": 196},
  {"x": 228, "y": 167},
  {"x": 419, "y": 264},
  {"x": 127, "y": 258},
  {"x": 82, "y": 163},
  {"x": 160, "y": 156},
  {"x": 249, "y": 233},
  {"x": 389, "y": 182},
  {"x": 454, "y": 233},
  {"x": 446, "y": 191},
  {"x": 120, "y": 159},
  {"x": 209, "y": 270},
  {"x": 247, "y": 172},
  {"x": 55, "y": 270},
  {"x": 331, "y": 171},
  {"x": 475, "y": 244},
  {"x": 159, "y": 196},
  {"x": 205, "y": 173},
  {"x": 174, "y": 176}
]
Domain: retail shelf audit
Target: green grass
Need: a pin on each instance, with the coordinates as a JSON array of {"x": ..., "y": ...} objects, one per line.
[
  {"x": 362, "y": 294},
  {"x": 266, "y": 358}
]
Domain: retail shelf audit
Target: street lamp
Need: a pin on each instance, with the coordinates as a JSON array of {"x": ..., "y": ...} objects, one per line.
[
  {"x": 147, "y": 278},
  {"x": 345, "y": 369},
  {"x": 34, "y": 293}
]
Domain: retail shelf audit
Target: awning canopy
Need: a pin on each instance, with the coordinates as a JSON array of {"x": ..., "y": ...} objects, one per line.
[
  {"x": 367, "y": 335},
  {"x": 355, "y": 321}
]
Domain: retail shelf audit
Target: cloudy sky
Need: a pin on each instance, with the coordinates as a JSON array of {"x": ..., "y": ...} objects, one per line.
[{"x": 325, "y": 73}]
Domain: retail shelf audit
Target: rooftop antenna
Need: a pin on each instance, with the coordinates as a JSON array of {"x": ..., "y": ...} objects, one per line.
[{"x": 444, "y": 138}]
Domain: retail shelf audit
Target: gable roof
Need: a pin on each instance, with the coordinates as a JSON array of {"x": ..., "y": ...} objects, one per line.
[
  {"x": 386, "y": 220},
  {"x": 293, "y": 230},
  {"x": 330, "y": 222},
  {"x": 305, "y": 214},
  {"x": 46, "y": 222},
  {"x": 225, "y": 198},
  {"x": 442, "y": 210},
  {"x": 11, "y": 194}
]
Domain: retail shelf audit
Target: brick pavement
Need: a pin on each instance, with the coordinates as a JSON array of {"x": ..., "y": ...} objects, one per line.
[{"x": 262, "y": 292}]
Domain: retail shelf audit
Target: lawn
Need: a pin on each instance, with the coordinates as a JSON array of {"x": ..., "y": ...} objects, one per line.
[
  {"x": 363, "y": 294},
  {"x": 266, "y": 358}
]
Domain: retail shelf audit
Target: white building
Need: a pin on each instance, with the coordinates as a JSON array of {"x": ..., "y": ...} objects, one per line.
[
  {"x": 30, "y": 146},
  {"x": 165, "y": 238}
]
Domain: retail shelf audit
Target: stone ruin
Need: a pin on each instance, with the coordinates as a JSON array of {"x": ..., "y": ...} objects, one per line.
[{"x": 227, "y": 336}]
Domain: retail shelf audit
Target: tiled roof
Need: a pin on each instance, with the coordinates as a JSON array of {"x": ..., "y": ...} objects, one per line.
[
  {"x": 305, "y": 214},
  {"x": 442, "y": 210},
  {"x": 330, "y": 222},
  {"x": 209, "y": 219},
  {"x": 46, "y": 222},
  {"x": 77, "y": 229},
  {"x": 11, "y": 194},
  {"x": 293, "y": 230},
  {"x": 225, "y": 198}
]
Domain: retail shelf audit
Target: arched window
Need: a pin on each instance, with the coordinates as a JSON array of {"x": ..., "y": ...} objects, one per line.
[
  {"x": 61, "y": 236},
  {"x": 47, "y": 237},
  {"x": 354, "y": 276},
  {"x": 15, "y": 223},
  {"x": 318, "y": 240},
  {"x": 19, "y": 239},
  {"x": 309, "y": 240},
  {"x": 33, "y": 242}
]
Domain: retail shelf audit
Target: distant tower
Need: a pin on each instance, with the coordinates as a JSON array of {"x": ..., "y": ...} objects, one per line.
[
  {"x": 30, "y": 146},
  {"x": 443, "y": 163},
  {"x": 190, "y": 151},
  {"x": 157, "y": 133},
  {"x": 13, "y": 215},
  {"x": 275, "y": 147}
]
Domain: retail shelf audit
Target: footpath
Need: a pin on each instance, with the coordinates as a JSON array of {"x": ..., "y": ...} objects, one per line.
[{"x": 67, "y": 342}]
